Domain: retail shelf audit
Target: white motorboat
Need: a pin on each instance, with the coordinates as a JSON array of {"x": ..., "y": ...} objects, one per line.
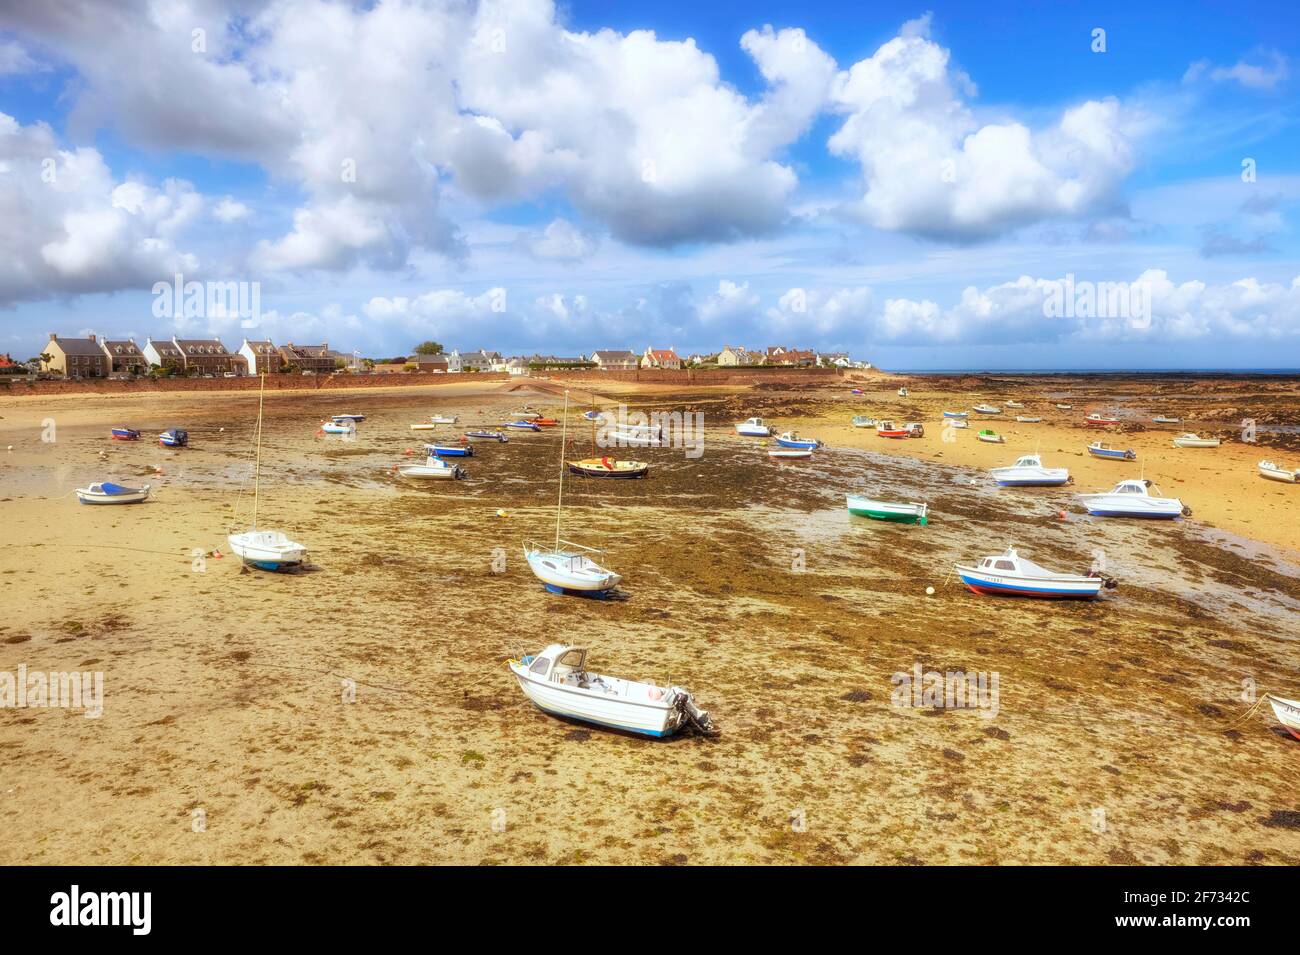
[
  {"x": 1287, "y": 713},
  {"x": 339, "y": 427},
  {"x": 789, "y": 454},
  {"x": 1028, "y": 419},
  {"x": 557, "y": 682},
  {"x": 753, "y": 428},
  {"x": 108, "y": 493},
  {"x": 987, "y": 409},
  {"x": 1010, "y": 575},
  {"x": 259, "y": 547},
  {"x": 1190, "y": 440},
  {"x": 1028, "y": 471},
  {"x": 565, "y": 567},
  {"x": 1013, "y": 404},
  {"x": 1133, "y": 498},
  {"x": 1275, "y": 472},
  {"x": 1066, "y": 407},
  {"x": 443, "y": 419},
  {"x": 434, "y": 468},
  {"x": 956, "y": 423},
  {"x": 1165, "y": 419}
]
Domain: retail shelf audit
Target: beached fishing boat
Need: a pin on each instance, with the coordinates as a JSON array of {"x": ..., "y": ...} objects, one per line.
[
  {"x": 956, "y": 423},
  {"x": 987, "y": 409},
  {"x": 1275, "y": 472},
  {"x": 443, "y": 419},
  {"x": 898, "y": 513},
  {"x": 556, "y": 681},
  {"x": 488, "y": 435},
  {"x": 1287, "y": 713},
  {"x": 902, "y": 392},
  {"x": 609, "y": 468},
  {"x": 856, "y": 391},
  {"x": 423, "y": 426},
  {"x": 108, "y": 493},
  {"x": 261, "y": 548},
  {"x": 789, "y": 454},
  {"x": 1133, "y": 498},
  {"x": 1190, "y": 440},
  {"x": 1028, "y": 419},
  {"x": 1010, "y": 575},
  {"x": 791, "y": 440},
  {"x": 1028, "y": 471},
  {"x": 1012, "y": 404},
  {"x": 1099, "y": 449},
  {"x": 126, "y": 434},
  {"x": 450, "y": 450},
  {"x": 887, "y": 429},
  {"x": 338, "y": 427},
  {"x": 863, "y": 421},
  {"x": 522, "y": 425},
  {"x": 348, "y": 417},
  {"x": 1066, "y": 407},
  {"x": 174, "y": 438},
  {"x": 1100, "y": 419},
  {"x": 433, "y": 468},
  {"x": 1163, "y": 419},
  {"x": 956, "y": 414},
  {"x": 525, "y": 412},
  {"x": 914, "y": 429},
  {"x": 991, "y": 436},
  {"x": 753, "y": 428},
  {"x": 565, "y": 567}
]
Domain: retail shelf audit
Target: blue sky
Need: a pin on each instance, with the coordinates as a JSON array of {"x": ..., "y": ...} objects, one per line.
[{"x": 908, "y": 183}]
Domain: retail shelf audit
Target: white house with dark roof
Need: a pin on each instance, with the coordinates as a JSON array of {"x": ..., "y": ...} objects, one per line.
[{"x": 263, "y": 357}]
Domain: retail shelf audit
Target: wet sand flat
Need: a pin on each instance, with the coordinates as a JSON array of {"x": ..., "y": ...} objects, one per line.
[{"x": 361, "y": 711}]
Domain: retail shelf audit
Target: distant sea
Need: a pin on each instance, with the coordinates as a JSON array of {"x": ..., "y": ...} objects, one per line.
[{"x": 1115, "y": 372}]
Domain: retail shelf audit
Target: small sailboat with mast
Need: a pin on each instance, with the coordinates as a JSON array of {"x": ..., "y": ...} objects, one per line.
[
  {"x": 566, "y": 567},
  {"x": 260, "y": 547}
]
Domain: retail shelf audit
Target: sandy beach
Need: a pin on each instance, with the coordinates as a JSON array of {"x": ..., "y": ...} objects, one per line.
[{"x": 361, "y": 711}]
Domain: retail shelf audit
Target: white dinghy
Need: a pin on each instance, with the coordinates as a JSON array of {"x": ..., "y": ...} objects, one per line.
[
  {"x": 1275, "y": 472},
  {"x": 566, "y": 567},
  {"x": 265, "y": 549},
  {"x": 556, "y": 681},
  {"x": 1133, "y": 498},
  {"x": 108, "y": 493},
  {"x": 1190, "y": 440}
]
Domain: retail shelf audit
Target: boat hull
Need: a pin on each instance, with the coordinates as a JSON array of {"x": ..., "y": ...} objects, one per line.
[
  {"x": 799, "y": 445},
  {"x": 1287, "y": 713},
  {"x": 1280, "y": 474},
  {"x": 893, "y": 434},
  {"x": 647, "y": 719},
  {"x": 125, "y": 434},
  {"x": 1018, "y": 477},
  {"x": 133, "y": 496},
  {"x": 750, "y": 431},
  {"x": 1112, "y": 454},
  {"x": 452, "y": 451},
  {"x": 1001, "y": 585},
  {"x": 790, "y": 454},
  {"x": 599, "y": 470},
  {"x": 886, "y": 511}
]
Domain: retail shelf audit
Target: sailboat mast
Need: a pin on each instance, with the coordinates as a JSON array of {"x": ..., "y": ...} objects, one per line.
[
  {"x": 257, "y": 466},
  {"x": 564, "y": 430}
]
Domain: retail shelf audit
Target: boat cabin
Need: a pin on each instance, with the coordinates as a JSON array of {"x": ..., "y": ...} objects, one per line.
[
  {"x": 1030, "y": 461},
  {"x": 1131, "y": 487}
]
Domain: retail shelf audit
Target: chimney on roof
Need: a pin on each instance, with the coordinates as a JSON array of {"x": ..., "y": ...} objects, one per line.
[
  {"x": 54, "y": 336},
  {"x": 92, "y": 336}
]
